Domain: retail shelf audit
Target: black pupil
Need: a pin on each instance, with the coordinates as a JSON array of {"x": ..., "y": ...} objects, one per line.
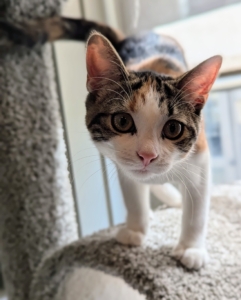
[
  {"x": 123, "y": 121},
  {"x": 172, "y": 128}
]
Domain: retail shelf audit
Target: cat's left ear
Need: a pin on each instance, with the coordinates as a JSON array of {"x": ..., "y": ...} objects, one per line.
[
  {"x": 104, "y": 66},
  {"x": 196, "y": 84}
]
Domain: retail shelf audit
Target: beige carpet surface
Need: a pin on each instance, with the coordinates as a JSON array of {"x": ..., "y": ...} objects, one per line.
[{"x": 150, "y": 269}]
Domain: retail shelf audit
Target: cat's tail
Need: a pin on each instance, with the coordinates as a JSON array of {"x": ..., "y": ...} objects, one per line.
[
  {"x": 40, "y": 31},
  {"x": 167, "y": 194}
]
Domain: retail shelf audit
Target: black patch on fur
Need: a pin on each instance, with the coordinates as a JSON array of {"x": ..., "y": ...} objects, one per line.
[
  {"x": 133, "y": 130},
  {"x": 137, "y": 85},
  {"x": 161, "y": 99},
  {"x": 98, "y": 136},
  {"x": 198, "y": 110},
  {"x": 145, "y": 75},
  {"x": 101, "y": 133},
  {"x": 97, "y": 119},
  {"x": 170, "y": 108},
  {"x": 184, "y": 145},
  {"x": 80, "y": 29},
  {"x": 192, "y": 132},
  {"x": 90, "y": 100},
  {"x": 169, "y": 92},
  {"x": 158, "y": 84},
  {"x": 100, "y": 129}
]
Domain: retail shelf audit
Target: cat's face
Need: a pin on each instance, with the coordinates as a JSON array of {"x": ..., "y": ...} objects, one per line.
[
  {"x": 144, "y": 122},
  {"x": 145, "y": 130}
]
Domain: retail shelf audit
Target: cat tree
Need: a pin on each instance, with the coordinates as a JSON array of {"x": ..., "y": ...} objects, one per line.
[{"x": 39, "y": 250}]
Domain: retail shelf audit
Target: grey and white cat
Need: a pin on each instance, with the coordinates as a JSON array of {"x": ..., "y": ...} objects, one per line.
[{"x": 144, "y": 112}]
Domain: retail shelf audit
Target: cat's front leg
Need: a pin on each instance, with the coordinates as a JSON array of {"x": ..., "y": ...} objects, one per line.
[
  {"x": 136, "y": 197},
  {"x": 195, "y": 176}
]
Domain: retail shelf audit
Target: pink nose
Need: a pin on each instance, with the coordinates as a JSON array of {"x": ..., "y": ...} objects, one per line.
[{"x": 147, "y": 157}]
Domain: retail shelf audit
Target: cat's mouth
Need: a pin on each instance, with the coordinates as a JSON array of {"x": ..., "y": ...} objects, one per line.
[
  {"x": 145, "y": 171},
  {"x": 142, "y": 174}
]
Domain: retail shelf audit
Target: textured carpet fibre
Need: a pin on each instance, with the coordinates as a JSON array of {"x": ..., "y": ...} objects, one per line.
[
  {"x": 150, "y": 269},
  {"x": 36, "y": 204}
]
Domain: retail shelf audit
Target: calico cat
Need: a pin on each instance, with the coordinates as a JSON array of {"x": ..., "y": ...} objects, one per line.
[
  {"x": 144, "y": 112},
  {"x": 146, "y": 116}
]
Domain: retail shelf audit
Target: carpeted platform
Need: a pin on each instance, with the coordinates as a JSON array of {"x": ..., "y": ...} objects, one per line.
[{"x": 150, "y": 269}]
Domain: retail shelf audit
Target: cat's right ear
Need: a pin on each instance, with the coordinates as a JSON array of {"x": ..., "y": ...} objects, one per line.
[{"x": 104, "y": 66}]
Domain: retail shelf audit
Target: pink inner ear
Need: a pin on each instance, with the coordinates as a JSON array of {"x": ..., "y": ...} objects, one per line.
[
  {"x": 203, "y": 82},
  {"x": 103, "y": 63},
  {"x": 198, "y": 82},
  {"x": 96, "y": 67}
]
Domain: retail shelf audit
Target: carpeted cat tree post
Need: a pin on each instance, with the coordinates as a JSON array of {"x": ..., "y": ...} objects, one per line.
[
  {"x": 36, "y": 204},
  {"x": 39, "y": 253}
]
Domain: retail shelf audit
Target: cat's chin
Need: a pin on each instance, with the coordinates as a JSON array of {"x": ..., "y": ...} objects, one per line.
[
  {"x": 145, "y": 175},
  {"x": 142, "y": 175}
]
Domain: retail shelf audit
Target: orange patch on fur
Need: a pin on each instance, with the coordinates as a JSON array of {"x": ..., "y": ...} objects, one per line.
[
  {"x": 138, "y": 98},
  {"x": 201, "y": 143},
  {"x": 132, "y": 103},
  {"x": 159, "y": 65}
]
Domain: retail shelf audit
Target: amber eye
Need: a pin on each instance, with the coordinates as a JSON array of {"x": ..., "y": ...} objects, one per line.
[
  {"x": 122, "y": 122},
  {"x": 173, "y": 130}
]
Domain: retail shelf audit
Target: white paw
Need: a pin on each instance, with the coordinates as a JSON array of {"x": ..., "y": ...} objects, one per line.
[
  {"x": 191, "y": 258},
  {"x": 129, "y": 237}
]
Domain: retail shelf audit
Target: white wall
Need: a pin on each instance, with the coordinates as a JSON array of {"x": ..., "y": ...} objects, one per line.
[{"x": 215, "y": 32}]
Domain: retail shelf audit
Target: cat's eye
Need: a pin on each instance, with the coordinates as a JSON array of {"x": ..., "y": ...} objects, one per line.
[
  {"x": 173, "y": 130},
  {"x": 122, "y": 122}
]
